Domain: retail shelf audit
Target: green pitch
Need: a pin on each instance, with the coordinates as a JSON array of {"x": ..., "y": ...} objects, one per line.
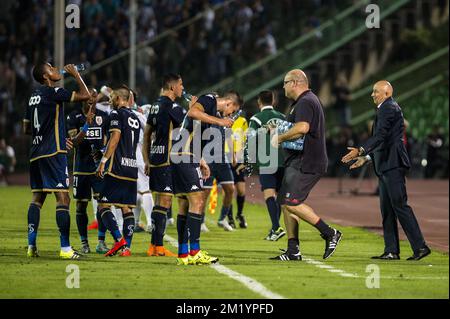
[{"x": 344, "y": 275}]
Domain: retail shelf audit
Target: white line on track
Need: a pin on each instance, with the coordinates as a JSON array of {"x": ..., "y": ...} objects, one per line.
[{"x": 248, "y": 282}]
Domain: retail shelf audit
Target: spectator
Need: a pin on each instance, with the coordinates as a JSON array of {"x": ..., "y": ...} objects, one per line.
[
  {"x": 435, "y": 143},
  {"x": 342, "y": 96},
  {"x": 7, "y": 161}
]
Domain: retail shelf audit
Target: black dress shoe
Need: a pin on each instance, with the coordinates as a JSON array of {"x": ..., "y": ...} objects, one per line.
[
  {"x": 422, "y": 252},
  {"x": 387, "y": 256}
]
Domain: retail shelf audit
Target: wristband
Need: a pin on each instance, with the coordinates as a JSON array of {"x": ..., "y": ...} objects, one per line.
[
  {"x": 368, "y": 158},
  {"x": 104, "y": 160},
  {"x": 85, "y": 127}
]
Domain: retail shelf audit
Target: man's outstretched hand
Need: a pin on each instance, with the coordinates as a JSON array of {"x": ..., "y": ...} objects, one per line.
[{"x": 354, "y": 153}]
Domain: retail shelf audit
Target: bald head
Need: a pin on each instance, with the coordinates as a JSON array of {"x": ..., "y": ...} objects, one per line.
[
  {"x": 295, "y": 83},
  {"x": 382, "y": 90},
  {"x": 297, "y": 75}
]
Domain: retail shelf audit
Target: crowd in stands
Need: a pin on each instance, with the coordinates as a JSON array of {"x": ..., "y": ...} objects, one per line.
[{"x": 219, "y": 43}]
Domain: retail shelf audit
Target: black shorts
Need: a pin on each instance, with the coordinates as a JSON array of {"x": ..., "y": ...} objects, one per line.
[
  {"x": 238, "y": 178},
  {"x": 222, "y": 172},
  {"x": 187, "y": 178},
  {"x": 272, "y": 181},
  {"x": 118, "y": 192},
  {"x": 161, "y": 180},
  {"x": 296, "y": 186},
  {"x": 84, "y": 186},
  {"x": 49, "y": 174}
]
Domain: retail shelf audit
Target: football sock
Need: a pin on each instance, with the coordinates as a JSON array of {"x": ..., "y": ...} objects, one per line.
[
  {"x": 137, "y": 209},
  {"x": 183, "y": 247},
  {"x": 274, "y": 212},
  {"x": 101, "y": 227},
  {"x": 224, "y": 212},
  {"x": 82, "y": 224},
  {"x": 159, "y": 218},
  {"x": 63, "y": 222},
  {"x": 324, "y": 229},
  {"x": 110, "y": 222},
  {"x": 34, "y": 214},
  {"x": 128, "y": 227},
  {"x": 194, "y": 223},
  {"x": 230, "y": 212},
  {"x": 240, "y": 204},
  {"x": 293, "y": 246}
]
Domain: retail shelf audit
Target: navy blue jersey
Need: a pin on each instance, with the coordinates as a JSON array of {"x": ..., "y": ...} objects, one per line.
[
  {"x": 164, "y": 116},
  {"x": 94, "y": 140},
  {"x": 215, "y": 152},
  {"x": 123, "y": 163},
  {"x": 45, "y": 112},
  {"x": 209, "y": 103}
]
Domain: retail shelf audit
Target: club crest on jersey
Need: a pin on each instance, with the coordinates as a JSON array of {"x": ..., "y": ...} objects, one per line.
[{"x": 98, "y": 120}]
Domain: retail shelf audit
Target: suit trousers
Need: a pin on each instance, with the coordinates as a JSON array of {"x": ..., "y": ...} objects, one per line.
[{"x": 394, "y": 206}]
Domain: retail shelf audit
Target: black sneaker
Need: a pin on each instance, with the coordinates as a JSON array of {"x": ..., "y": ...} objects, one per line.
[
  {"x": 242, "y": 221},
  {"x": 331, "y": 243},
  {"x": 285, "y": 256},
  {"x": 231, "y": 222}
]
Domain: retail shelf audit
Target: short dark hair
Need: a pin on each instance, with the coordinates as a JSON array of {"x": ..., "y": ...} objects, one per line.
[
  {"x": 168, "y": 79},
  {"x": 39, "y": 71},
  {"x": 235, "y": 96},
  {"x": 266, "y": 97}
]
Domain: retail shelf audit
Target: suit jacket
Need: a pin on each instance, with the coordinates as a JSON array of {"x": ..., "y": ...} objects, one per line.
[{"x": 385, "y": 146}]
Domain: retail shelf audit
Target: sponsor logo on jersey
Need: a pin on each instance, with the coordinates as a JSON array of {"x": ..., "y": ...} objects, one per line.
[{"x": 94, "y": 133}]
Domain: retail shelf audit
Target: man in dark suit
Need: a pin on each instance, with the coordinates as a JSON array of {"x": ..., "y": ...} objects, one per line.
[{"x": 387, "y": 151}]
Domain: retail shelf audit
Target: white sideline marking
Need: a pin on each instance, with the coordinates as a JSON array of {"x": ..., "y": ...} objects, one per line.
[
  {"x": 330, "y": 268},
  {"x": 248, "y": 282},
  {"x": 342, "y": 273}
]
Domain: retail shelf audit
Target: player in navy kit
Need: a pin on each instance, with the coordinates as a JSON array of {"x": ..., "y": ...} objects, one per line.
[
  {"x": 164, "y": 116},
  {"x": 188, "y": 170},
  {"x": 45, "y": 122},
  {"x": 87, "y": 128},
  {"x": 118, "y": 168}
]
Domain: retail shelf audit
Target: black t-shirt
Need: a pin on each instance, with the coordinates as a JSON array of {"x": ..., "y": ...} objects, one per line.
[{"x": 313, "y": 158}]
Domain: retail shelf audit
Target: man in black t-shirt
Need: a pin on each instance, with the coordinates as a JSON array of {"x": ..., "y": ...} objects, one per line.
[{"x": 304, "y": 168}]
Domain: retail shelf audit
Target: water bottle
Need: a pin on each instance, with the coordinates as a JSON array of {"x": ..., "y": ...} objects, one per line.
[
  {"x": 295, "y": 145},
  {"x": 79, "y": 67},
  {"x": 187, "y": 96},
  {"x": 236, "y": 115}
]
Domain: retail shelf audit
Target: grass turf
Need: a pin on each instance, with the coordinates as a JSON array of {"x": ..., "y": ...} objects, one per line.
[{"x": 243, "y": 251}]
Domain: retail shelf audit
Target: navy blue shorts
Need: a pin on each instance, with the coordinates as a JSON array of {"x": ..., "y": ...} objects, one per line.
[
  {"x": 272, "y": 181},
  {"x": 187, "y": 178},
  {"x": 118, "y": 192},
  {"x": 84, "y": 186},
  {"x": 161, "y": 180},
  {"x": 222, "y": 172},
  {"x": 238, "y": 178},
  {"x": 49, "y": 174}
]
